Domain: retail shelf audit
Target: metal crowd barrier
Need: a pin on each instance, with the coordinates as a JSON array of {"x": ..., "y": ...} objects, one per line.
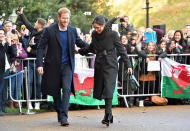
[
  {"x": 147, "y": 88},
  {"x": 26, "y": 94}
]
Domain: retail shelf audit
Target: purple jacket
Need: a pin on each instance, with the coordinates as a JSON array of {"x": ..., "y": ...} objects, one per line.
[{"x": 21, "y": 55}]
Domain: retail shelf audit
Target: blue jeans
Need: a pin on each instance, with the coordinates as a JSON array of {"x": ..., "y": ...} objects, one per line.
[
  {"x": 16, "y": 83},
  {"x": 62, "y": 103},
  {"x": 34, "y": 77}
]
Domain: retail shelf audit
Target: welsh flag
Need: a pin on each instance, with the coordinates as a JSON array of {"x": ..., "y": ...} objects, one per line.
[{"x": 175, "y": 79}]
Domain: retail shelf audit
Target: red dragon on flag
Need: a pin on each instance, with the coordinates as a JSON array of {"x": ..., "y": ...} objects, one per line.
[{"x": 183, "y": 78}]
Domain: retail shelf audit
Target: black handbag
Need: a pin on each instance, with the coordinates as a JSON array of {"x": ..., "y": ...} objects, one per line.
[{"x": 133, "y": 83}]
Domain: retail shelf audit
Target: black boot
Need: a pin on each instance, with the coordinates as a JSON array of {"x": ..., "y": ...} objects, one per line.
[{"x": 108, "y": 118}]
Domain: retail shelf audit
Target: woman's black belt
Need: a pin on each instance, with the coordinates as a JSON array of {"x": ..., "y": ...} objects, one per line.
[{"x": 105, "y": 52}]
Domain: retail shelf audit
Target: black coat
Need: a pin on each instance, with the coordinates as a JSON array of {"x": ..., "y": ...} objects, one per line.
[
  {"x": 11, "y": 51},
  {"x": 51, "y": 79},
  {"x": 106, "y": 64}
]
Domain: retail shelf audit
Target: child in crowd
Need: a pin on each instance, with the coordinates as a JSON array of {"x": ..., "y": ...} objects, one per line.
[
  {"x": 147, "y": 80},
  {"x": 163, "y": 46}
]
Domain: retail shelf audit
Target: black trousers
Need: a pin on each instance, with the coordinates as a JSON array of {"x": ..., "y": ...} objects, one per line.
[{"x": 108, "y": 105}]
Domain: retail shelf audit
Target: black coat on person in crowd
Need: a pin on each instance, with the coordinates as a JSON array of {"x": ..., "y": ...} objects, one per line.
[
  {"x": 50, "y": 40},
  {"x": 10, "y": 51},
  {"x": 105, "y": 46}
]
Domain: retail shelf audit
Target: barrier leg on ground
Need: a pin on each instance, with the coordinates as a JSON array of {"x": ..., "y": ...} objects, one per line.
[{"x": 28, "y": 112}]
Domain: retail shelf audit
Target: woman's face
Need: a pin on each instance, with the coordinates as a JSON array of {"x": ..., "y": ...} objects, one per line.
[
  {"x": 151, "y": 46},
  {"x": 124, "y": 40},
  {"x": 163, "y": 45},
  {"x": 98, "y": 28},
  {"x": 177, "y": 36}
]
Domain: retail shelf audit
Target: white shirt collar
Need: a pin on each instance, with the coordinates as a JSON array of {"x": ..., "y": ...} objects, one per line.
[{"x": 60, "y": 29}]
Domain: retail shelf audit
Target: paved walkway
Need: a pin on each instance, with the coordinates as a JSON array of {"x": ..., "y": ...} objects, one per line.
[{"x": 157, "y": 118}]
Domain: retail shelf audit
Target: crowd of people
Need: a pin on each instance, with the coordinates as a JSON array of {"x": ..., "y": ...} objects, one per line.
[{"x": 16, "y": 45}]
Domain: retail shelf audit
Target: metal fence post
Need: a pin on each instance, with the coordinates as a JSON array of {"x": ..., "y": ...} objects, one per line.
[{"x": 28, "y": 112}]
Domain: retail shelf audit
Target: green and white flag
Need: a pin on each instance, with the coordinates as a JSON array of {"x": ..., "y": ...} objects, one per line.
[{"x": 175, "y": 79}]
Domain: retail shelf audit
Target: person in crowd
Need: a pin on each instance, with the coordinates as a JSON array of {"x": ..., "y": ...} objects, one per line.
[
  {"x": 6, "y": 50},
  {"x": 123, "y": 75},
  {"x": 24, "y": 36},
  {"x": 173, "y": 50},
  {"x": 163, "y": 47},
  {"x": 169, "y": 36},
  {"x": 16, "y": 82},
  {"x": 187, "y": 40},
  {"x": 58, "y": 71},
  {"x": 180, "y": 44},
  {"x": 104, "y": 44},
  {"x": 7, "y": 26},
  {"x": 35, "y": 34},
  {"x": 140, "y": 38},
  {"x": 124, "y": 25},
  {"x": 150, "y": 35},
  {"x": 148, "y": 79},
  {"x": 179, "y": 39}
]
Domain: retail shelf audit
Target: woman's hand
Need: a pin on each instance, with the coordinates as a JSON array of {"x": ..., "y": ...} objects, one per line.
[
  {"x": 147, "y": 60},
  {"x": 159, "y": 59},
  {"x": 130, "y": 70}
]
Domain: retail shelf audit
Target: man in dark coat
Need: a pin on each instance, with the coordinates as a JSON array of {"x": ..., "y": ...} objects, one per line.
[
  {"x": 31, "y": 48},
  {"x": 104, "y": 44},
  {"x": 58, "y": 67}
]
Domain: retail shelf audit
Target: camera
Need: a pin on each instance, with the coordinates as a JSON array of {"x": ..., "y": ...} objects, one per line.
[{"x": 122, "y": 20}]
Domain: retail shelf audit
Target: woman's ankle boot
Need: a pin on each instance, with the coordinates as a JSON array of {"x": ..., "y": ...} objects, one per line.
[{"x": 108, "y": 118}]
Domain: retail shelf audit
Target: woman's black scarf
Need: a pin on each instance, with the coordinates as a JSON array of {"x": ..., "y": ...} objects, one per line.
[{"x": 101, "y": 36}]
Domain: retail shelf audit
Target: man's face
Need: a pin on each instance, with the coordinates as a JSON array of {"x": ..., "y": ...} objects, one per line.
[
  {"x": 126, "y": 19},
  {"x": 64, "y": 20},
  {"x": 98, "y": 28},
  {"x": 2, "y": 35},
  {"x": 37, "y": 25},
  {"x": 8, "y": 27}
]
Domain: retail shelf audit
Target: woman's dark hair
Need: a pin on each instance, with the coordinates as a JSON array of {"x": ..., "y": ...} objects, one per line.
[
  {"x": 181, "y": 40},
  {"x": 99, "y": 19}
]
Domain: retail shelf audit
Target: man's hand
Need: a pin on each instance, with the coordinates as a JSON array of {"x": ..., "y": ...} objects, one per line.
[
  {"x": 40, "y": 70},
  {"x": 76, "y": 50},
  {"x": 20, "y": 11},
  {"x": 130, "y": 70}
]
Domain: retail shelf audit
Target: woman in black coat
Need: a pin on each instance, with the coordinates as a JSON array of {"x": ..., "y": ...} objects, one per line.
[{"x": 104, "y": 44}]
